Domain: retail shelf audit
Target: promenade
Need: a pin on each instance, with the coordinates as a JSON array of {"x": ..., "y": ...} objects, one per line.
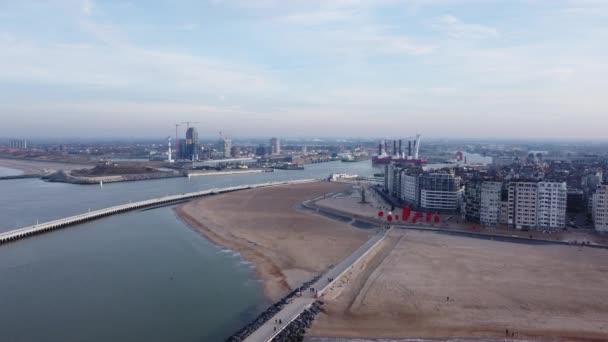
[{"x": 292, "y": 310}]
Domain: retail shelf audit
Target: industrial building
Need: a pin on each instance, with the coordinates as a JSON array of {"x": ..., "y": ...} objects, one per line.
[
  {"x": 600, "y": 208},
  {"x": 222, "y": 163}
]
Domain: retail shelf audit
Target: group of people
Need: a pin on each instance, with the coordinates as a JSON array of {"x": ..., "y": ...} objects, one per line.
[{"x": 279, "y": 322}]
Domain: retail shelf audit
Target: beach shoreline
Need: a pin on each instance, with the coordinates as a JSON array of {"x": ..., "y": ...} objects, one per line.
[
  {"x": 400, "y": 292},
  {"x": 278, "y": 238}
]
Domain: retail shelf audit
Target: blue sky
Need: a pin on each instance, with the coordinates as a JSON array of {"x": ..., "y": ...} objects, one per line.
[{"x": 445, "y": 68}]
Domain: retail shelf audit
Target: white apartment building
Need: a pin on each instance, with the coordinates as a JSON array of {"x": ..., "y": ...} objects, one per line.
[
  {"x": 600, "y": 208},
  {"x": 440, "y": 192},
  {"x": 551, "y": 205},
  {"x": 409, "y": 188},
  {"x": 537, "y": 204},
  {"x": 489, "y": 209}
]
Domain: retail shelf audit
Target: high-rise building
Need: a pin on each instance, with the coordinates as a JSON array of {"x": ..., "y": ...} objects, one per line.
[
  {"x": 275, "y": 146},
  {"x": 192, "y": 144},
  {"x": 537, "y": 205},
  {"x": 472, "y": 200},
  {"x": 600, "y": 208},
  {"x": 304, "y": 150},
  {"x": 410, "y": 191},
  {"x": 490, "y": 204},
  {"x": 181, "y": 149},
  {"x": 482, "y": 201},
  {"x": 440, "y": 191},
  {"x": 18, "y": 143},
  {"x": 552, "y": 199},
  {"x": 224, "y": 147}
]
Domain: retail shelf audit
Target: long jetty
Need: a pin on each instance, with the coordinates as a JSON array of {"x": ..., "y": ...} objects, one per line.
[{"x": 36, "y": 229}]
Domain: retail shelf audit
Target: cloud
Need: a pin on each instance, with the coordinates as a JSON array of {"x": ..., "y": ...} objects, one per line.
[
  {"x": 187, "y": 27},
  {"x": 111, "y": 61},
  {"x": 456, "y": 28},
  {"x": 561, "y": 74},
  {"x": 87, "y": 7}
]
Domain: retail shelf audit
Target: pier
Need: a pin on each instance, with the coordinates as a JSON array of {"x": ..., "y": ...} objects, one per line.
[
  {"x": 36, "y": 229},
  {"x": 290, "y": 312}
]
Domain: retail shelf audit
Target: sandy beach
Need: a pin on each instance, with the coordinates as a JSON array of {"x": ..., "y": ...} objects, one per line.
[
  {"x": 401, "y": 289},
  {"x": 542, "y": 292},
  {"x": 287, "y": 246}
]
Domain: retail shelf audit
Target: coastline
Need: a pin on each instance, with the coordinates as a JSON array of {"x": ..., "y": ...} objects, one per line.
[
  {"x": 399, "y": 294},
  {"x": 278, "y": 238}
]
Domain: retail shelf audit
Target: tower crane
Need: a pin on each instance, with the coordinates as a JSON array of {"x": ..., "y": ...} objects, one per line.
[{"x": 188, "y": 123}]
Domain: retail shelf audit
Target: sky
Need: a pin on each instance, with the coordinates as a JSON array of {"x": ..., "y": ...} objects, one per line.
[{"x": 341, "y": 68}]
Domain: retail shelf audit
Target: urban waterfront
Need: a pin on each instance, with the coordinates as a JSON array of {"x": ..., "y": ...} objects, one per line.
[
  {"x": 24, "y": 202},
  {"x": 139, "y": 276}
]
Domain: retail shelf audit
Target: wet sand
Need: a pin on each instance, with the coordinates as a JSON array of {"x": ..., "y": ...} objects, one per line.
[
  {"x": 287, "y": 245},
  {"x": 540, "y": 292}
]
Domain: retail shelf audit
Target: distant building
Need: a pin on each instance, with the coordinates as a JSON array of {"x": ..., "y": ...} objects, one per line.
[
  {"x": 181, "y": 149},
  {"x": 537, "y": 205},
  {"x": 18, "y": 143},
  {"x": 192, "y": 144},
  {"x": 224, "y": 147},
  {"x": 304, "y": 150},
  {"x": 275, "y": 146},
  {"x": 261, "y": 151},
  {"x": 600, "y": 208},
  {"x": 235, "y": 151}
]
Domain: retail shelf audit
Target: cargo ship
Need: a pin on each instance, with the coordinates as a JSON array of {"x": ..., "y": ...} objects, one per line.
[{"x": 396, "y": 154}]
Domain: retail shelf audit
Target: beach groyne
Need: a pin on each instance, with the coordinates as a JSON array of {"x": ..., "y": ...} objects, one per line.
[{"x": 295, "y": 331}]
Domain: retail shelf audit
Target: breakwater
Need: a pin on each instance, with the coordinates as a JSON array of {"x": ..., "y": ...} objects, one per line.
[
  {"x": 296, "y": 330},
  {"x": 270, "y": 312},
  {"x": 92, "y": 215}
]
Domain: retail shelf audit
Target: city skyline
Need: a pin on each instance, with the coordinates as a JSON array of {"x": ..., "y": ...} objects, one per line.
[{"x": 346, "y": 68}]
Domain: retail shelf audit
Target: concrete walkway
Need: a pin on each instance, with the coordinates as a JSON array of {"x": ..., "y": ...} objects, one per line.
[{"x": 293, "y": 309}]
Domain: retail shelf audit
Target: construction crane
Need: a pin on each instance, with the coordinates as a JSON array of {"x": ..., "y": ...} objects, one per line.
[{"x": 188, "y": 123}]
